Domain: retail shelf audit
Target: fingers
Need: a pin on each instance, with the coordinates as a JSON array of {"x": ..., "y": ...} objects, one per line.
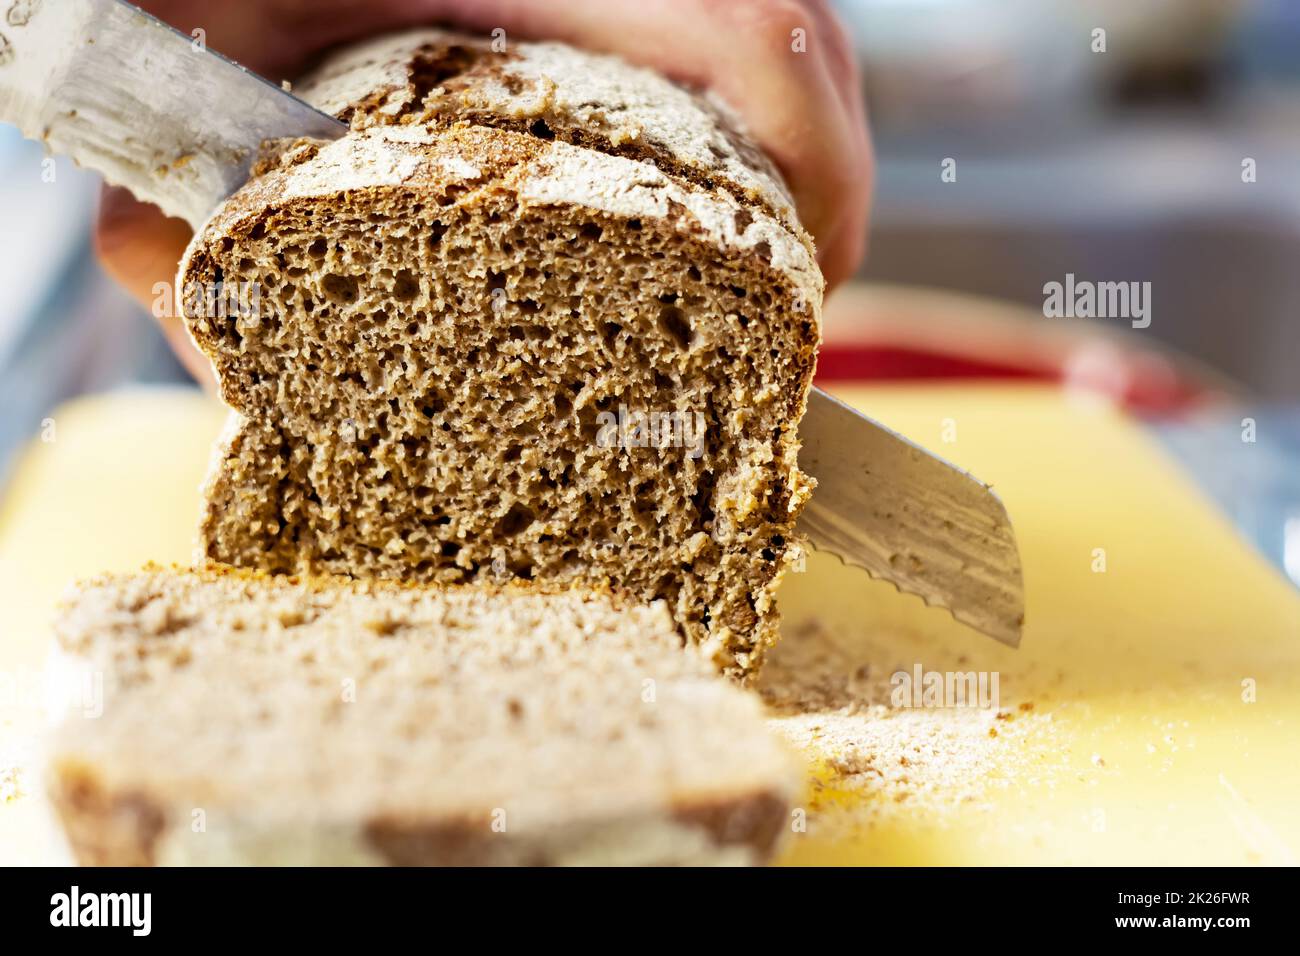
[
  {"x": 140, "y": 248},
  {"x": 798, "y": 92},
  {"x": 848, "y": 248}
]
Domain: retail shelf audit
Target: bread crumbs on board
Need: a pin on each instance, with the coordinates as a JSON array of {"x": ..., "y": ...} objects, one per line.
[
  {"x": 830, "y": 696},
  {"x": 11, "y": 782}
]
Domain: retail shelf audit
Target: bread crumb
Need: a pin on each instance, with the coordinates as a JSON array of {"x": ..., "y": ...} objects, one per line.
[
  {"x": 830, "y": 696},
  {"x": 11, "y": 784}
]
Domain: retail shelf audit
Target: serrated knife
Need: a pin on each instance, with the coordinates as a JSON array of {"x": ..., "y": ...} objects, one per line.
[
  {"x": 148, "y": 107},
  {"x": 900, "y": 513},
  {"x": 153, "y": 110}
]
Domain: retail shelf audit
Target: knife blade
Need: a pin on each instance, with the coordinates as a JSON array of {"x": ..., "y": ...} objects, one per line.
[
  {"x": 153, "y": 110},
  {"x": 150, "y": 108},
  {"x": 900, "y": 513}
]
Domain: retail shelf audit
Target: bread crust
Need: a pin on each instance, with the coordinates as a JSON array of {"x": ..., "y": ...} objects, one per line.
[
  {"x": 438, "y": 78},
  {"x": 467, "y": 162},
  {"x": 134, "y": 830}
]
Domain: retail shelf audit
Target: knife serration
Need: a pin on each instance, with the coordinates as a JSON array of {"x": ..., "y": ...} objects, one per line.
[
  {"x": 153, "y": 110},
  {"x": 902, "y": 514}
]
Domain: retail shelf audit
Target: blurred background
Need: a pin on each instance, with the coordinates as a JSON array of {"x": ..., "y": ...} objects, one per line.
[
  {"x": 1118, "y": 165},
  {"x": 1114, "y": 163}
]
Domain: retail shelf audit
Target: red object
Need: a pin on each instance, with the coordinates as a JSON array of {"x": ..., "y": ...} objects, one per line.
[
  {"x": 849, "y": 363},
  {"x": 1148, "y": 386}
]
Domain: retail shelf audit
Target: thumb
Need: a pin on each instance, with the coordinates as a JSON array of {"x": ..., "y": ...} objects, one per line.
[{"x": 140, "y": 248}]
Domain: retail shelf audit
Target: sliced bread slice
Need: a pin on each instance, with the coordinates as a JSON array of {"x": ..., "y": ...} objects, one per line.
[
  {"x": 254, "y": 719},
  {"x": 469, "y": 343}
]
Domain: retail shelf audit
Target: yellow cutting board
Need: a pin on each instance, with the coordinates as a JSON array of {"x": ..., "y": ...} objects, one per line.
[{"x": 1151, "y": 715}]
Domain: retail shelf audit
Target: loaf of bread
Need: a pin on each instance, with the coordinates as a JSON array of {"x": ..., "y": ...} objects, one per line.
[
  {"x": 270, "y": 720},
  {"x": 539, "y": 316}
]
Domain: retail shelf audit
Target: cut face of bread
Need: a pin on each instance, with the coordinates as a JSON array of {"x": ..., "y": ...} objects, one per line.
[
  {"x": 248, "y": 719},
  {"x": 478, "y": 352}
]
